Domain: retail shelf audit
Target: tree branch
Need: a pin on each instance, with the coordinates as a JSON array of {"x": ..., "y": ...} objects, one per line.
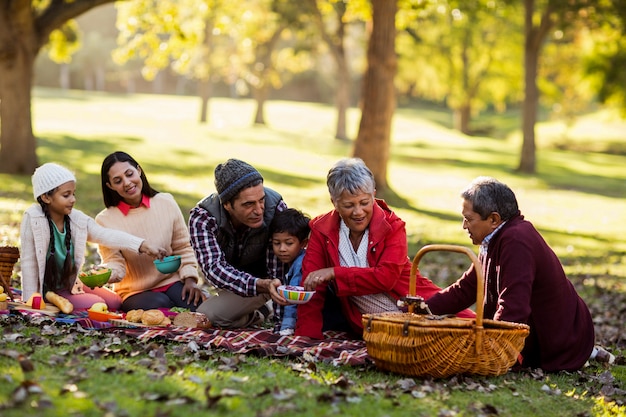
[{"x": 59, "y": 12}]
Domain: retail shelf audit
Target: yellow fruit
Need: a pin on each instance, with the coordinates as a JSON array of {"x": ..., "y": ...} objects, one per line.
[
  {"x": 99, "y": 307},
  {"x": 3, "y": 297},
  {"x": 1, "y": 289}
]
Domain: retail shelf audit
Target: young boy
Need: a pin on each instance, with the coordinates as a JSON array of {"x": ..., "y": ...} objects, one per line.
[{"x": 289, "y": 233}]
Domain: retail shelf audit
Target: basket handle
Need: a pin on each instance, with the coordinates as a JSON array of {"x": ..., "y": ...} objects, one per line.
[{"x": 480, "y": 280}]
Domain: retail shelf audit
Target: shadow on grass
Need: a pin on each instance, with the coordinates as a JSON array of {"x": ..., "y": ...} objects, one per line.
[
  {"x": 396, "y": 201},
  {"x": 50, "y": 146},
  {"x": 55, "y": 94},
  {"x": 554, "y": 170},
  {"x": 77, "y": 153},
  {"x": 557, "y": 175},
  {"x": 497, "y": 124}
]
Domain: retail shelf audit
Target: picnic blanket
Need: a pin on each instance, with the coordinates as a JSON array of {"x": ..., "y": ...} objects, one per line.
[{"x": 336, "y": 348}]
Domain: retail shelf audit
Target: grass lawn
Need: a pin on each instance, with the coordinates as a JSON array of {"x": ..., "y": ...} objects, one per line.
[{"x": 576, "y": 200}]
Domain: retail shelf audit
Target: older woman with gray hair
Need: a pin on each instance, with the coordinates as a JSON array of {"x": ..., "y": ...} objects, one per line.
[{"x": 357, "y": 257}]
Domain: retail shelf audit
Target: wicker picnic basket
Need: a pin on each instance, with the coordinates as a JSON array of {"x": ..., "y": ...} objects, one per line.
[
  {"x": 424, "y": 345},
  {"x": 8, "y": 257}
]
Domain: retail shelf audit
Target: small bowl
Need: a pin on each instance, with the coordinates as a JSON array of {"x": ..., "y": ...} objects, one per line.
[
  {"x": 295, "y": 294},
  {"x": 100, "y": 316},
  {"x": 168, "y": 265},
  {"x": 94, "y": 280}
]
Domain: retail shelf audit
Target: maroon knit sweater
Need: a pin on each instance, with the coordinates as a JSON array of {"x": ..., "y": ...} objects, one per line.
[{"x": 525, "y": 283}]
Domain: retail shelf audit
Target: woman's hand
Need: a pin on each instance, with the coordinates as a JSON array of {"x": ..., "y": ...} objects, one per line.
[
  {"x": 191, "y": 293},
  {"x": 152, "y": 250},
  {"x": 319, "y": 277}
]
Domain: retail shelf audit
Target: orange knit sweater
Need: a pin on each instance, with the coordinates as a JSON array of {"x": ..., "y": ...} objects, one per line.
[{"x": 162, "y": 224}]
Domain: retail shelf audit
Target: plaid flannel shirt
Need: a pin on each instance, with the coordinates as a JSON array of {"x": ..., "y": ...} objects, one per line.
[{"x": 203, "y": 229}]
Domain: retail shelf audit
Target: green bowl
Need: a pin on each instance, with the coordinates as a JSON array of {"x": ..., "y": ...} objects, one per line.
[
  {"x": 168, "y": 265},
  {"x": 95, "y": 280}
]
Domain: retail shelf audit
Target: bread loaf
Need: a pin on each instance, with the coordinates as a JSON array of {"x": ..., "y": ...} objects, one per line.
[
  {"x": 152, "y": 317},
  {"x": 134, "y": 316},
  {"x": 192, "y": 319}
]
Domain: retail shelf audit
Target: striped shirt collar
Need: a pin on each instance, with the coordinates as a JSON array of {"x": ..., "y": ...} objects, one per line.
[{"x": 485, "y": 243}]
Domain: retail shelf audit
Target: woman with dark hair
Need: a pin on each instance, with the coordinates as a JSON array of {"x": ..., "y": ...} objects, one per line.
[
  {"x": 135, "y": 207},
  {"x": 53, "y": 236}
]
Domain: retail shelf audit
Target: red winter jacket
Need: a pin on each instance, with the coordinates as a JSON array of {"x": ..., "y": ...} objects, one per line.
[{"x": 389, "y": 269}]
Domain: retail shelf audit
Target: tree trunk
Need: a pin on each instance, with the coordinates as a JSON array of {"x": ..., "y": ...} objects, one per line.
[
  {"x": 336, "y": 45},
  {"x": 64, "y": 76},
  {"x": 463, "y": 114},
  {"x": 462, "y": 118},
  {"x": 17, "y": 56},
  {"x": 24, "y": 29},
  {"x": 374, "y": 138},
  {"x": 17, "y": 142},
  {"x": 527, "y": 162},
  {"x": 205, "y": 96},
  {"x": 261, "y": 90},
  {"x": 100, "y": 78},
  {"x": 260, "y": 95},
  {"x": 343, "y": 95},
  {"x": 206, "y": 88},
  {"x": 534, "y": 37},
  {"x": 343, "y": 70}
]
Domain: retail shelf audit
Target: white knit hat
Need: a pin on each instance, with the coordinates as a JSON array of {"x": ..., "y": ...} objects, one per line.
[{"x": 48, "y": 177}]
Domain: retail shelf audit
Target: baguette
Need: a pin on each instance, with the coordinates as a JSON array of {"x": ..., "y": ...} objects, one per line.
[{"x": 63, "y": 303}]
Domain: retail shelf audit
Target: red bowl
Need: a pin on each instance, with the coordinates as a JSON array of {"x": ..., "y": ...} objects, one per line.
[{"x": 99, "y": 316}]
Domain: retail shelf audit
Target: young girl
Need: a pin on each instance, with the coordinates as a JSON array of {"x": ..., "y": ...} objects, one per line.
[
  {"x": 135, "y": 207},
  {"x": 53, "y": 240}
]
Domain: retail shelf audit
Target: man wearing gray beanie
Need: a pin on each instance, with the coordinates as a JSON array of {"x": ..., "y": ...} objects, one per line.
[{"x": 230, "y": 236}]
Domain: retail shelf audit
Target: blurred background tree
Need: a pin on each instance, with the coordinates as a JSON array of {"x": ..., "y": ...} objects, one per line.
[
  {"x": 550, "y": 58},
  {"x": 26, "y": 26},
  {"x": 466, "y": 55}
]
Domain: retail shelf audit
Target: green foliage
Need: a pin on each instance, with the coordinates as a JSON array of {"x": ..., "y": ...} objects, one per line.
[
  {"x": 210, "y": 39},
  {"x": 567, "y": 93},
  {"x": 64, "y": 42},
  {"x": 167, "y": 32},
  {"x": 606, "y": 61},
  {"x": 461, "y": 53}
]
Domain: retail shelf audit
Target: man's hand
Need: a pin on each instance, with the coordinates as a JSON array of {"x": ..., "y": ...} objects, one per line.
[
  {"x": 191, "y": 292},
  {"x": 269, "y": 285}
]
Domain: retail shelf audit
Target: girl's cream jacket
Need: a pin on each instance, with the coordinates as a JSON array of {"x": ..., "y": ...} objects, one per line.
[{"x": 35, "y": 239}]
